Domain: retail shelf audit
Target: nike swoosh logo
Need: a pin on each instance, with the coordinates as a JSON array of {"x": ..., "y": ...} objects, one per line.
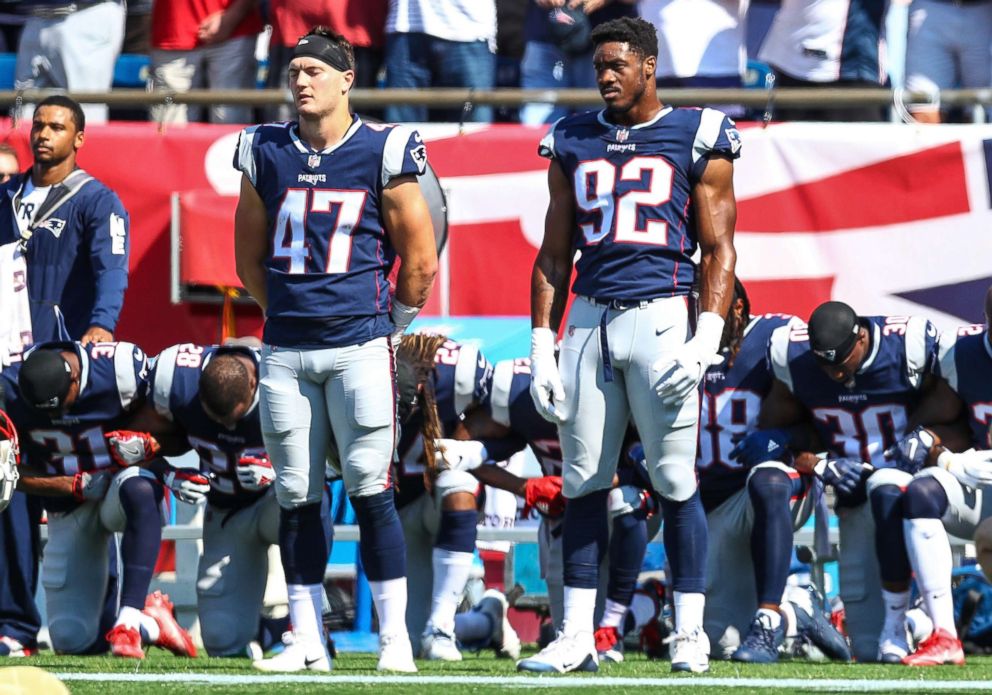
[
  {"x": 659, "y": 331},
  {"x": 311, "y": 662}
]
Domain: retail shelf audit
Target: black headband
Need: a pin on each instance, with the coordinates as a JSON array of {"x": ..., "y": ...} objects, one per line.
[{"x": 323, "y": 49}]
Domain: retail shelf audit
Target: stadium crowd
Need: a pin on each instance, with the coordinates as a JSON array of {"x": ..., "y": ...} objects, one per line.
[{"x": 482, "y": 44}]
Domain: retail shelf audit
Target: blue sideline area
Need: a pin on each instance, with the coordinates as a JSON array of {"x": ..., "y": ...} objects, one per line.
[{"x": 130, "y": 71}]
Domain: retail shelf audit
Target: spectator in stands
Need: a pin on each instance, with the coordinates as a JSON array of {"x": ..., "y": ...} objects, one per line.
[
  {"x": 9, "y": 164},
  {"x": 70, "y": 45},
  {"x": 138, "y": 27},
  {"x": 948, "y": 46},
  {"x": 204, "y": 43},
  {"x": 558, "y": 54},
  {"x": 362, "y": 23},
  {"x": 827, "y": 43},
  {"x": 510, "y": 15},
  {"x": 440, "y": 43}
]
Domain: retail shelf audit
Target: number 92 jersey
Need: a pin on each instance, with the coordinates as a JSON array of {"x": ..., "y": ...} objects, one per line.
[
  {"x": 330, "y": 257},
  {"x": 965, "y": 363},
  {"x": 635, "y": 224},
  {"x": 862, "y": 421}
]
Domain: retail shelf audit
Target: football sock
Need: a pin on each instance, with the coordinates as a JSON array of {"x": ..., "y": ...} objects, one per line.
[
  {"x": 774, "y": 617},
  {"x": 627, "y": 547},
  {"x": 688, "y": 610},
  {"x": 451, "y": 573},
  {"x": 788, "y": 614},
  {"x": 613, "y": 614},
  {"x": 389, "y": 597},
  {"x": 140, "y": 498},
  {"x": 474, "y": 627},
  {"x": 769, "y": 490},
  {"x": 382, "y": 548},
  {"x": 896, "y": 603},
  {"x": 304, "y": 613},
  {"x": 890, "y": 543},
  {"x": 685, "y": 537},
  {"x": 580, "y": 608},
  {"x": 932, "y": 562},
  {"x": 585, "y": 538}
]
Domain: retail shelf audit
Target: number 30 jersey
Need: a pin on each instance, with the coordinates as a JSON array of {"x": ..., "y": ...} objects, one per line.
[
  {"x": 330, "y": 258},
  {"x": 862, "y": 421},
  {"x": 634, "y": 220}
]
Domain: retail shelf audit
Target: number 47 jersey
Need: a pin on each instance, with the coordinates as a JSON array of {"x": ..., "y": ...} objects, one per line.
[
  {"x": 635, "y": 224},
  {"x": 330, "y": 257}
]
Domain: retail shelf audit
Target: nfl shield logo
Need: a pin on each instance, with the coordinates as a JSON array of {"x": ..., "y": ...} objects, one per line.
[
  {"x": 622, "y": 135},
  {"x": 313, "y": 161}
]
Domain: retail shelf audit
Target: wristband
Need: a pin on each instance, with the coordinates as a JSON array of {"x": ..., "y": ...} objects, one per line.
[
  {"x": 402, "y": 314},
  {"x": 709, "y": 330}
]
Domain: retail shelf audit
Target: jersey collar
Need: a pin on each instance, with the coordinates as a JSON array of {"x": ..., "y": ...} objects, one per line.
[
  {"x": 985, "y": 343},
  {"x": 601, "y": 117},
  {"x": 876, "y": 341},
  {"x": 304, "y": 148}
]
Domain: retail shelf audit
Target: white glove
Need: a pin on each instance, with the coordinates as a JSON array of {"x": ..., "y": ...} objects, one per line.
[
  {"x": 254, "y": 470},
  {"x": 459, "y": 455},
  {"x": 402, "y": 316},
  {"x": 187, "y": 484},
  {"x": 87, "y": 487},
  {"x": 973, "y": 468},
  {"x": 546, "y": 389},
  {"x": 678, "y": 375}
]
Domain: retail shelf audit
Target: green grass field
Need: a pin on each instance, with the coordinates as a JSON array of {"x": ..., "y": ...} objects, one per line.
[{"x": 478, "y": 674}]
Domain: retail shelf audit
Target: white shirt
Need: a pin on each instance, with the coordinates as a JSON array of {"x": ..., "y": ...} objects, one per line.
[
  {"x": 453, "y": 20},
  {"x": 30, "y": 202},
  {"x": 698, "y": 37}
]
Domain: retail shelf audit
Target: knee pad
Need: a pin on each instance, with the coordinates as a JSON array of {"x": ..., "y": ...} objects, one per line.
[
  {"x": 292, "y": 489},
  {"x": 69, "y": 635},
  {"x": 887, "y": 476},
  {"x": 450, "y": 482},
  {"x": 769, "y": 485},
  {"x": 675, "y": 481},
  {"x": 924, "y": 499}
]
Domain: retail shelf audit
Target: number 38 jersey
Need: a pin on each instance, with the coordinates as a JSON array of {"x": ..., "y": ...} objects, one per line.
[
  {"x": 634, "y": 220},
  {"x": 731, "y": 402},
  {"x": 175, "y": 393},
  {"x": 329, "y": 259},
  {"x": 862, "y": 421},
  {"x": 965, "y": 362},
  {"x": 113, "y": 381}
]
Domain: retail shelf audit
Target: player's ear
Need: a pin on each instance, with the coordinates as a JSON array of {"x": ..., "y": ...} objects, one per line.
[
  {"x": 79, "y": 139},
  {"x": 650, "y": 66},
  {"x": 347, "y": 81}
]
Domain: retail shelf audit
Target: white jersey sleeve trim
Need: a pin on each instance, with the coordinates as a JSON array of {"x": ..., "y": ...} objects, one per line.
[
  {"x": 916, "y": 348},
  {"x": 393, "y": 152},
  {"x": 707, "y": 133},
  {"x": 546, "y": 148},
  {"x": 468, "y": 357},
  {"x": 500, "y": 400},
  {"x": 246, "y": 156},
  {"x": 947, "y": 357},
  {"x": 127, "y": 383},
  {"x": 165, "y": 369},
  {"x": 778, "y": 351}
]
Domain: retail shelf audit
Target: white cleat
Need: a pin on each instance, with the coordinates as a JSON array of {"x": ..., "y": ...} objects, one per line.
[
  {"x": 566, "y": 653},
  {"x": 690, "y": 651},
  {"x": 504, "y": 640},
  {"x": 296, "y": 657},
  {"x": 395, "y": 653},
  {"x": 438, "y": 645}
]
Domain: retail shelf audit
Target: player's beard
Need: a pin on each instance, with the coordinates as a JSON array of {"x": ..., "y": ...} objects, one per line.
[{"x": 636, "y": 95}]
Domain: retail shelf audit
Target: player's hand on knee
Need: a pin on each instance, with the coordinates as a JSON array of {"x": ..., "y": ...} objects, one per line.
[
  {"x": 89, "y": 487},
  {"x": 254, "y": 470},
  {"x": 544, "y": 495},
  {"x": 973, "y": 468},
  {"x": 911, "y": 452},
  {"x": 188, "y": 485},
  {"x": 677, "y": 376},
  {"x": 459, "y": 455},
  {"x": 844, "y": 475},
  {"x": 546, "y": 389},
  {"x": 760, "y": 446},
  {"x": 129, "y": 448}
]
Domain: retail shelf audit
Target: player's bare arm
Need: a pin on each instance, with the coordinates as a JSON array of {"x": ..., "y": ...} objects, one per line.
[
  {"x": 251, "y": 243},
  {"x": 34, "y": 481},
  {"x": 170, "y": 436},
  {"x": 780, "y": 409},
  {"x": 940, "y": 406},
  {"x": 408, "y": 223},
  {"x": 553, "y": 266},
  {"x": 716, "y": 215}
]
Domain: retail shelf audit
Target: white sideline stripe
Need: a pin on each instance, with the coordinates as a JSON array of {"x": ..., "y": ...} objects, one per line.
[{"x": 802, "y": 684}]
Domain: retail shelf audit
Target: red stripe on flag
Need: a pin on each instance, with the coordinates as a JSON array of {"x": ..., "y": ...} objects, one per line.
[
  {"x": 793, "y": 296},
  {"x": 923, "y": 185}
]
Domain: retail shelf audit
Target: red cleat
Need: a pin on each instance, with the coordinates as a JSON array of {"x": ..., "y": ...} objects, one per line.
[
  {"x": 609, "y": 644},
  {"x": 940, "y": 648},
  {"x": 171, "y": 636},
  {"x": 125, "y": 642}
]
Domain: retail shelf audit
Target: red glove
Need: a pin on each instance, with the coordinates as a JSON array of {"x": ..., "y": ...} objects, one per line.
[
  {"x": 544, "y": 495},
  {"x": 129, "y": 448},
  {"x": 255, "y": 470}
]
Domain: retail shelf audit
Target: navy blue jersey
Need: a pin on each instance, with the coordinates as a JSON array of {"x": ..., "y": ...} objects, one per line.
[
  {"x": 635, "y": 223},
  {"x": 965, "y": 362},
  {"x": 729, "y": 411},
  {"x": 77, "y": 259},
  {"x": 462, "y": 378},
  {"x": 512, "y": 407},
  {"x": 175, "y": 388},
  {"x": 113, "y": 381},
  {"x": 863, "y": 421},
  {"x": 326, "y": 276}
]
